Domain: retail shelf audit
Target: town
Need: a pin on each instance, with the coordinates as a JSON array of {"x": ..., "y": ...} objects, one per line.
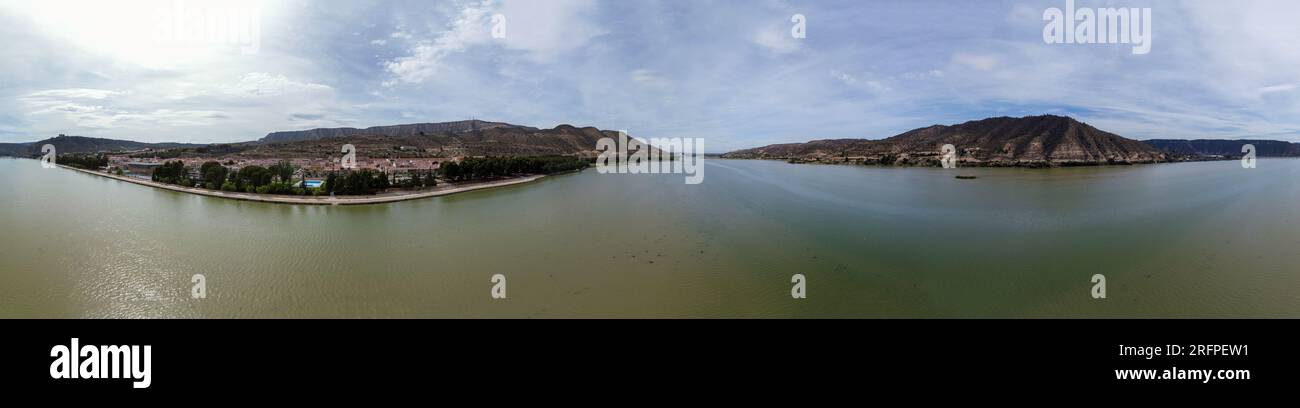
[{"x": 326, "y": 176}]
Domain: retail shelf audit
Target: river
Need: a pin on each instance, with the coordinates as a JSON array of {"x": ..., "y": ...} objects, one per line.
[{"x": 1207, "y": 239}]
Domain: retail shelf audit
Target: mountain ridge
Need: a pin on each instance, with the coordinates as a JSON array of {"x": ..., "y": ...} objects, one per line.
[
  {"x": 443, "y": 139},
  {"x": 1030, "y": 141},
  {"x": 411, "y": 129},
  {"x": 440, "y": 140},
  {"x": 1225, "y": 147},
  {"x": 83, "y": 144}
]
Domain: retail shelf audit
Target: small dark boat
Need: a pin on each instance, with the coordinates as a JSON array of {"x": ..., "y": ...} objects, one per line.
[{"x": 965, "y": 177}]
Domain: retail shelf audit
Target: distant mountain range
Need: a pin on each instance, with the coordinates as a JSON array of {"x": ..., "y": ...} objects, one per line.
[
  {"x": 1032, "y": 141},
  {"x": 448, "y": 139},
  {"x": 464, "y": 138},
  {"x": 417, "y": 129},
  {"x": 1225, "y": 148},
  {"x": 80, "y": 144}
]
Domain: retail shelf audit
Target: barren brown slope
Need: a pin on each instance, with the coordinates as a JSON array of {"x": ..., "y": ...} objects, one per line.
[{"x": 1046, "y": 140}]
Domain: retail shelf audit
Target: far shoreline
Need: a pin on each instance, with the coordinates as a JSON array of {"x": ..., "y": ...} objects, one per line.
[
  {"x": 980, "y": 165},
  {"x": 382, "y": 198}
]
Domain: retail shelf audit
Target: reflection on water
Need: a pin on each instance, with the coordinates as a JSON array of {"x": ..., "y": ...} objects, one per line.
[{"x": 1188, "y": 239}]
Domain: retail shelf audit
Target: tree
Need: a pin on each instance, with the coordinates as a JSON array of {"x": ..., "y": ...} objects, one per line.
[
  {"x": 214, "y": 174},
  {"x": 475, "y": 168},
  {"x": 451, "y": 170},
  {"x": 84, "y": 161},
  {"x": 358, "y": 182},
  {"x": 254, "y": 177},
  {"x": 282, "y": 170},
  {"x": 172, "y": 172}
]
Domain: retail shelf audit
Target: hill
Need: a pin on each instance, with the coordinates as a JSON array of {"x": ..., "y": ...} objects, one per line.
[
  {"x": 427, "y": 140},
  {"x": 81, "y": 144},
  {"x": 1032, "y": 141},
  {"x": 416, "y": 129},
  {"x": 1225, "y": 148}
]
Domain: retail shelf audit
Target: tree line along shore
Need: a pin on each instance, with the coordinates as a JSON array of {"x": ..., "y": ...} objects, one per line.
[{"x": 283, "y": 178}]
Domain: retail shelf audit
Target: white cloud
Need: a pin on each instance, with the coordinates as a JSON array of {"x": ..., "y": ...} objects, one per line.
[
  {"x": 66, "y": 102},
  {"x": 76, "y": 93},
  {"x": 649, "y": 78},
  {"x": 65, "y": 108},
  {"x": 261, "y": 84},
  {"x": 845, "y": 77},
  {"x": 548, "y": 29},
  {"x": 75, "y": 115},
  {"x": 980, "y": 62},
  {"x": 865, "y": 81},
  {"x": 777, "y": 40},
  {"x": 542, "y": 30},
  {"x": 157, "y": 34},
  {"x": 152, "y": 106},
  {"x": 932, "y": 74},
  {"x": 1277, "y": 88},
  {"x": 425, "y": 58}
]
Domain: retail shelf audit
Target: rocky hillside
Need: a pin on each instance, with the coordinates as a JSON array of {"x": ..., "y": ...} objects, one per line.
[
  {"x": 451, "y": 139},
  {"x": 416, "y": 129},
  {"x": 1033, "y": 141},
  {"x": 469, "y": 138}
]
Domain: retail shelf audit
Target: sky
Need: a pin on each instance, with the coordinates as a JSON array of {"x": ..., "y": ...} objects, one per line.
[{"x": 730, "y": 72}]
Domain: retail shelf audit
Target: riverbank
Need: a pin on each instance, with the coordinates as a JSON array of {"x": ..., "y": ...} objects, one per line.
[
  {"x": 309, "y": 200},
  {"x": 993, "y": 165}
]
